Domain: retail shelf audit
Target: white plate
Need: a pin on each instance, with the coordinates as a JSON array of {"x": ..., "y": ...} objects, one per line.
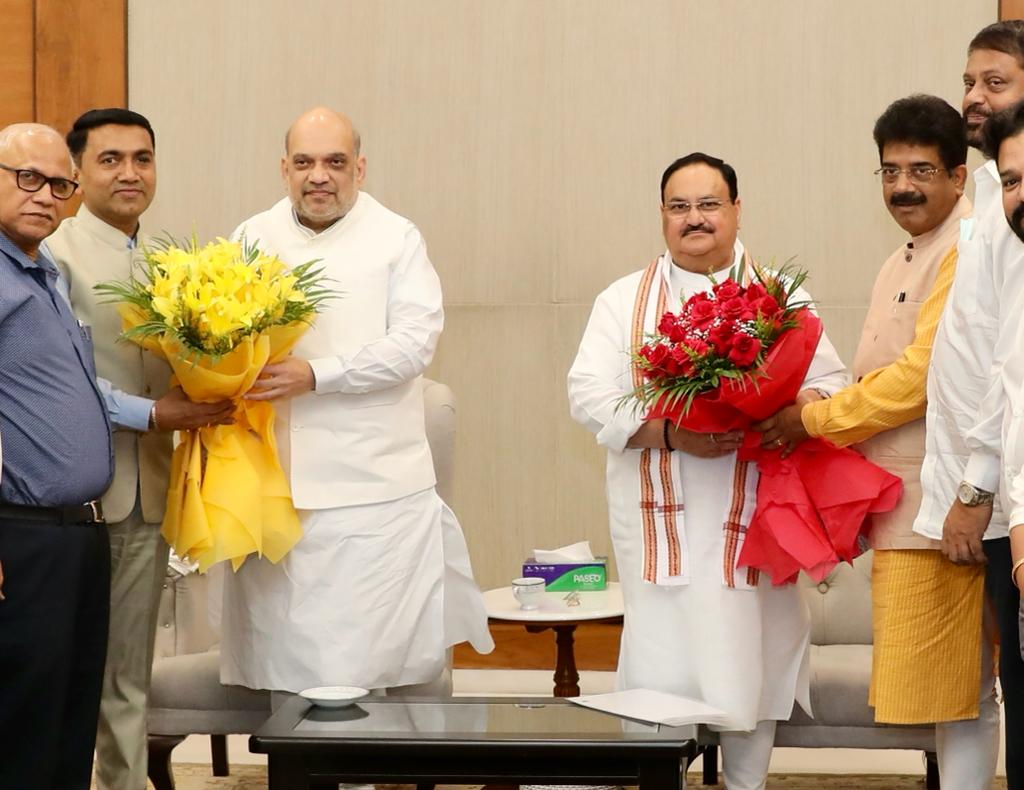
[{"x": 333, "y": 696}]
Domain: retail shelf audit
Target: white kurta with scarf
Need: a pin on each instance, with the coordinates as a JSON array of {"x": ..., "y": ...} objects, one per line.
[
  {"x": 710, "y": 631},
  {"x": 380, "y": 583}
]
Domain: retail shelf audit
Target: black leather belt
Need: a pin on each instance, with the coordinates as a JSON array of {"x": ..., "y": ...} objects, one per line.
[{"x": 89, "y": 513}]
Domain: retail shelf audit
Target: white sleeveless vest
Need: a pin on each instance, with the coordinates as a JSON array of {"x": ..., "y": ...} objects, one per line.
[{"x": 342, "y": 449}]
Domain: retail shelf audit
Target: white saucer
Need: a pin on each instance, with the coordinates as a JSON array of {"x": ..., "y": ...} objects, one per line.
[{"x": 333, "y": 696}]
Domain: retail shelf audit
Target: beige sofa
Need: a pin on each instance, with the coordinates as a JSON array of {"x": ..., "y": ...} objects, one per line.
[{"x": 186, "y": 696}]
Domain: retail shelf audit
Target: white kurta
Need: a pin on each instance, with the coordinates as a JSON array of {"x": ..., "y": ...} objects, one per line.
[
  {"x": 741, "y": 650},
  {"x": 380, "y": 583}
]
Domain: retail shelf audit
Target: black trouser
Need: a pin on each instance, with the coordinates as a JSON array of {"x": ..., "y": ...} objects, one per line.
[
  {"x": 1006, "y": 599},
  {"x": 53, "y": 642}
]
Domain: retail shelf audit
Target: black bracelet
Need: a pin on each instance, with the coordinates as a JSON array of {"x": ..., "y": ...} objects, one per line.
[{"x": 664, "y": 436}]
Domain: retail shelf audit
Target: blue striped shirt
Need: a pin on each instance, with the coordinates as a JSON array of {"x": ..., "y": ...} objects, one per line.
[{"x": 57, "y": 445}]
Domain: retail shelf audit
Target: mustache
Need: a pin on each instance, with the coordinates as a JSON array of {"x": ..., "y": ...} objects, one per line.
[
  {"x": 1017, "y": 221},
  {"x": 702, "y": 228},
  {"x": 978, "y": 109},
  {"x": 907, "y": 199}
]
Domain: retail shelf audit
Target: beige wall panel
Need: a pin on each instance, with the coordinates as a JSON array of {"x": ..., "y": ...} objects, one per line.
[
  {"x": 788, "y": 92},
  {"x": 843, "y": 325},
  {"x": 526, "y": 475},
  {"x": 510, "y": 397},
  {"x": 454, "y": 99}
]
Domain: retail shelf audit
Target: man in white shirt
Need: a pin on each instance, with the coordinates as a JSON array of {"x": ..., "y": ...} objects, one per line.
[
  {"x": 1004, "y": 141},
  {"x": 380, "y": 584},
  {"x": 679, "y": 501},
  {"x": 961, "y": 469}
]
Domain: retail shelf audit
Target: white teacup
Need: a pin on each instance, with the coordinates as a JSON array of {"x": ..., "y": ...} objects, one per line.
[{"x": 528, "y": 590}]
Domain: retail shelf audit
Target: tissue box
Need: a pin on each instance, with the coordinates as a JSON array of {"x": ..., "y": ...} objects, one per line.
[{"x": 592, "y": 575}]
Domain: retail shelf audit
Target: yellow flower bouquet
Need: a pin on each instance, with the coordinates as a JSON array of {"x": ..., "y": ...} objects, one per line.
[{"x": 218, "y": 314}]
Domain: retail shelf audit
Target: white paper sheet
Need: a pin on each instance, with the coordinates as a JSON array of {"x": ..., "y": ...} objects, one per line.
[{"x": 653, "y": 706}]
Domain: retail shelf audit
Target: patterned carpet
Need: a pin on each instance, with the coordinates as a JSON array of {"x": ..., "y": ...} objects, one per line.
[{"x": 254, "y": 777}]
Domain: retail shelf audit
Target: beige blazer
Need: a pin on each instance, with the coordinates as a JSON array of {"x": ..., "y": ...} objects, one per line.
[{"x": 89, "y": 251}]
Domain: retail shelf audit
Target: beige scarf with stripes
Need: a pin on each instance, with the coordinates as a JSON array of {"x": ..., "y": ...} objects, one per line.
[{"x": 665, "y": 556}]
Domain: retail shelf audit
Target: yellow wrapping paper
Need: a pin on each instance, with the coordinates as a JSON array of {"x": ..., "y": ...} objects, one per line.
[{"x": 228, "y": 496}]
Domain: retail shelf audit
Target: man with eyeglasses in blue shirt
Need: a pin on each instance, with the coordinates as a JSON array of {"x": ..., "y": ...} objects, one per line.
[{"x": 58, "y": 460}]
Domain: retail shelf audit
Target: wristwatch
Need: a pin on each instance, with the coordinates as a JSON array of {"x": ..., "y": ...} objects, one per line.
[{"x": 970, "y": 496}]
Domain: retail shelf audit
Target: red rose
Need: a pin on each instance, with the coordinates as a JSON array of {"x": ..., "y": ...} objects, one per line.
[
  {"x": 697, "y": 345},
  {"x": 654, "y": 354},
  {"x": 766, "y": 306},
  {"x": 670, "y": 327},
  {"x": 754, "y": 292},
  {"x": 721, "y": 337},
  {"x": 744, "y": 350},
  {"x": 701, "y": 313},
  {"x": 729, "y": 289},
  {"x": 698, "y": 297},
  {"x": 735, "y": 309},
  {"x": 683, "y": 361}
]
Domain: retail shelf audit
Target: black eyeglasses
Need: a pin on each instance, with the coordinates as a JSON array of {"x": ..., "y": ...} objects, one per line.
[{"x": 31, "y": 181}]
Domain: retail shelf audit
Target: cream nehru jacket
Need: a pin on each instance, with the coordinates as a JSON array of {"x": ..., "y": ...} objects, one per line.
[
  {"x": 903, "y": 285},
  {"x": 89, "y": 251}
]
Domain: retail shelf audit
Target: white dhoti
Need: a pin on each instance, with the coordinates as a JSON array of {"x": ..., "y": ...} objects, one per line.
[
  {"x": 372, "y": 596},
  {"x": 743, "y": 650}
]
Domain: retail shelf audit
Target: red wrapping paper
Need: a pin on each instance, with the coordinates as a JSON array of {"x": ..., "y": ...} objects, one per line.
[{"x": 813, "y": 506}]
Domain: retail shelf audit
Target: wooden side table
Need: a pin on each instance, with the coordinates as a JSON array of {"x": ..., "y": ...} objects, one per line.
[{"x": 556, "y": 614}]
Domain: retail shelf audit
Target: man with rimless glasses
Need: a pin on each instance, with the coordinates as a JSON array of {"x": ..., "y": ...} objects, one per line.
[
  {"x": 57, "y": 462},
  {"x": 931, "y": 663},
  {"x": 679, "y": 501}
]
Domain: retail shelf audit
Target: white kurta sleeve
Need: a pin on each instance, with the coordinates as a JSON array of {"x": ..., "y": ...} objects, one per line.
[
  {"x": 415, "y": 318},
  {"x": 1002, "y": 256},
  {"x": 600, "y": 377},
  {"x": 985, "y": 438},
  {"x": 826, "y": 371}
]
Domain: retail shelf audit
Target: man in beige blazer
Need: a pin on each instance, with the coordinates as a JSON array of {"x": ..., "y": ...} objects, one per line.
[{"x": 114, "y": 154}]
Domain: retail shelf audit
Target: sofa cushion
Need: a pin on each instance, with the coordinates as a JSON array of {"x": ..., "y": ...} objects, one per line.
[
  {"x": 840, "y": 604},
  {"x": 840, "y": 675},
  {"x": 192, "y": 682}
]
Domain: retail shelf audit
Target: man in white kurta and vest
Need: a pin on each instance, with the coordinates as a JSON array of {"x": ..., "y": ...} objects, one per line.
[
  {"x": 380, "y": 584},
  {"x": 114, "y": 153},
  {"x": 115, "y": 159},
  {"x": 700, "y": 627},
  {"x": 930, "y": 657}
]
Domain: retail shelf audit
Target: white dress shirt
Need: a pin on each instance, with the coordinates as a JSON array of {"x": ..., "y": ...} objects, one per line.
[{"x": 967, "y": 383}]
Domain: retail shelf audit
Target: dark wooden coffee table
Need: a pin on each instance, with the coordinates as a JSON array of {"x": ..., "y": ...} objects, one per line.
[{"x": 465, "y": 741}]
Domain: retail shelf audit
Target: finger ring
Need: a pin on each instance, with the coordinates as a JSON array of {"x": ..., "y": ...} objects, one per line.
[
  {"x": 714, "y": 439},
  {"x": 777, "y": 442}
]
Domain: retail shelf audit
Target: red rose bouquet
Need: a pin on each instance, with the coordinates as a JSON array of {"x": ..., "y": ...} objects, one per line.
[
  {"x": 706, "y": 362},
  {"x": 732, "y": 356}
]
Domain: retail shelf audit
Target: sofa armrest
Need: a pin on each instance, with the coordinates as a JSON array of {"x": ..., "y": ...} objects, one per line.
[{"x": 183, "y": 622}]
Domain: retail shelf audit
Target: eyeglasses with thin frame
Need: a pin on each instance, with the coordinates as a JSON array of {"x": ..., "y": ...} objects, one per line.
[
  {"x": 918, "y": 174},
  {"x": 682, "y": 208},
  {"x": 33, "y": 181}
]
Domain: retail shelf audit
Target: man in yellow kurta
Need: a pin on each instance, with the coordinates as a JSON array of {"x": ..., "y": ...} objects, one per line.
[{"x": 927, "y": 664}]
